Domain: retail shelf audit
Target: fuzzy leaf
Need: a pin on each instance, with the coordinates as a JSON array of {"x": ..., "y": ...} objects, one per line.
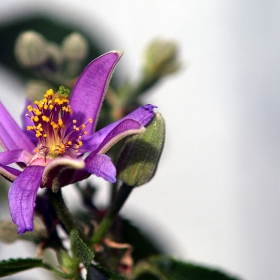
[
  {"x": 144, "y": 244},
  {"x": 80, "y": 249},
  {"x": 12, "y": 266},
  {"x": 98, "y": 273},
  {"x": 166, "y": 268}
]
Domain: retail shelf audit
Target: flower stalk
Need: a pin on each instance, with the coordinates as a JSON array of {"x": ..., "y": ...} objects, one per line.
[
  {"x": 120, "y": 198},
  {"x": 63, "y": 213}
]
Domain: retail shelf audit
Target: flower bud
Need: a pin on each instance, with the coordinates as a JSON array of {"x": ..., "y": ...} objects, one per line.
[
  {"x": 161, "y": 58},
  {"x": 54, "y": 54},
  {"x": 35, "y": 89},
  {"x": 8, "y": 231},
  {"x": 140, "y": 155},
  {"x": 75, "y": 47},
  {"x": 30, "y": 49}
]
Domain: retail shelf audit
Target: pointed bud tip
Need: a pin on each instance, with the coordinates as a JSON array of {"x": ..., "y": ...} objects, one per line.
[{"x": 119, "y": 53}]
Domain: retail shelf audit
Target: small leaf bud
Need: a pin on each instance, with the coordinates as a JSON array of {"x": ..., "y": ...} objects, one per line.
[
  {"x": 30, "y": 49},
  {"x": 140, "y": 155},
  {"x": 75, "y": 47},
  {"x": 161, "y": 58}
]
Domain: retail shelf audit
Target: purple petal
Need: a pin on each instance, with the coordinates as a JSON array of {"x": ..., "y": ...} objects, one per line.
[
  {"x": 80, "y": 175},
  {"x": 102, "y": 166},
  {"x": 15, "y": 156},
  {"x": 125, "y": 128},
  {"x": 9, "y": 173},
  {"x": 11, "y": 136},
  {"x": 90, "y": 88},
  {"x": 22, "y": 196},
  {"x": 27, "y": 122},
  {"x": 60, "y": 172},
  {"x": 142, "y": 114}
]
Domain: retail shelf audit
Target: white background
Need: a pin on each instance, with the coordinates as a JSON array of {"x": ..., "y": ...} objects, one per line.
[{"x": 215, "y": 197}]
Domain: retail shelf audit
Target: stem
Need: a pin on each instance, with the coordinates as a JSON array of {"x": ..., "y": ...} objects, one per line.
[
  {"x": 66, "y": 218},
  {"x": 120, "y": 198},
  {"x": 114, "y": 189}
]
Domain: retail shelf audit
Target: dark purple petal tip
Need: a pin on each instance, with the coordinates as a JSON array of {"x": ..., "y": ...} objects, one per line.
[{"x": 150, "y": 107}]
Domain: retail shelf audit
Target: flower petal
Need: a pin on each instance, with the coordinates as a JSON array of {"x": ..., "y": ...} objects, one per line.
[
  {"x": 102, "y": 166},
  {"x": 11, "y": 136},
  {"x": 125, "y": 128},
  {"x": 15, "y": 156},
  {"x": 22, "y": 196},
  {"x": 61, "y": 172},
  {"x": 9, "y": 173},
  {"x": 142, "y": 115},
  {"x": 90, "y": 88},
  {"x": 27, "y": 122}
]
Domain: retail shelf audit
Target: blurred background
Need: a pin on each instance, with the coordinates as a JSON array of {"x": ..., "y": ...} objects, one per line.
[{"x": 215, "y": 197}]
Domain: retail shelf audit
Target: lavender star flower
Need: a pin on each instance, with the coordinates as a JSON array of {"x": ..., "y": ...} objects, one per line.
[{"x": 58, "y": 133}]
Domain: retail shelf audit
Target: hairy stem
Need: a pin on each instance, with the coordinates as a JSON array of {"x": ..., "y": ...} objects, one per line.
[
  {"x": 63, "y": 213},
  {"x": 120, "y": 198}
]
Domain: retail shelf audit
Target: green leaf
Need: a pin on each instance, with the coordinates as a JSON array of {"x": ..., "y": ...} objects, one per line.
[
  {"x": 98, "y": 273},
  {"x": 166, "y": 268},
  {"x": 12, "y": 266},
  {"x": 144, "y": 244},
  {"x": 80, "y": 249}
]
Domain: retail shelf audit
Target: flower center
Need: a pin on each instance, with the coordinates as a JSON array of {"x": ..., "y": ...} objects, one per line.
[{"x": 56, "y": 131}]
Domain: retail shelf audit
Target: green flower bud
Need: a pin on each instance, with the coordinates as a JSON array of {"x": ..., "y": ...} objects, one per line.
[
  {"x": 55, "y": 54},
  {"x": 30, "y": 49},
  {"x": 8, "y": 231},
  {"x": 9, "y": 234},
  {"x": 140, "y": 155},
  {"x": 161, "y": 58},
  {"x": 35, "y": 89},
  {"x": 75, "y": 47}
]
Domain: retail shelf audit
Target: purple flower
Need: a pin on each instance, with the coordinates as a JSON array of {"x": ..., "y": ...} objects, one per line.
[{"x": 57, "y": 134}]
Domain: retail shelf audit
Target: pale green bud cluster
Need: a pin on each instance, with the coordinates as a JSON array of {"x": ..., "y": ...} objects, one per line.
[
  {"x": 140, "y": 155},
  {"x": 52, "y": 62},
  {"x": 75, "y": 47},
  {"x": 161, "y": 58},
  {"x": 30, "y": 49},
  {"x": 35, "y": 88}
]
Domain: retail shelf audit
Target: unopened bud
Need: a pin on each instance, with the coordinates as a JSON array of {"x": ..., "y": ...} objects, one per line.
[
  {"x": 8, "y": 231},
  {"x": 30, "y": 49},
  {"x": 140, "y": 155},
  {"x": 9, "y": 234},
  {"x": 54, "y": 54},
  {"x": 161, "y": 58},
  {"x": 35, "y": 89},
  {"x": 75, "y": 47}
]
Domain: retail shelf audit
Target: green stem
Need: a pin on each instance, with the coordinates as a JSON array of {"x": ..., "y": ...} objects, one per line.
[
  {"x": 120, "y": 198},
  {"x": 66, "y": 218}
]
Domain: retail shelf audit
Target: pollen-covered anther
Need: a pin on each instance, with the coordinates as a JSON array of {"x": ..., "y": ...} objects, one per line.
[
  {"x": 60, "y": 123},
  {"x": 51, "y": 118},
  {"x": 45, "y": 118},
  {"x": 35, "y": 118}
]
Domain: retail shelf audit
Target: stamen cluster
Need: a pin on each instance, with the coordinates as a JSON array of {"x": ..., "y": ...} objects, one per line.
[{"x": 56, "y": 131}]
